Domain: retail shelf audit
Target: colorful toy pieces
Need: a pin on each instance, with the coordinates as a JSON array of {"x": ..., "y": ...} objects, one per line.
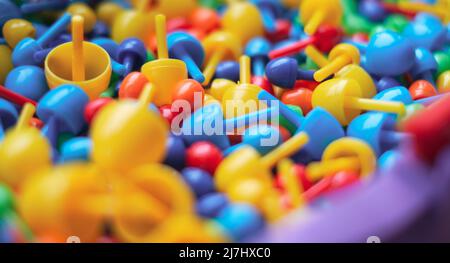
[{"x": 209, "y": 121}]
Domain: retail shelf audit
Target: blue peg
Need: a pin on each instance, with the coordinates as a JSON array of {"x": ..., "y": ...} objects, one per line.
[
  {"x": 323, "y": 129},
  {"x": 386, "y": 83},
  {"x": 399, "y": 94},
  {"x": 210, "y": 205},
  {"x": 228, "y": 70},
  {"x": 76, "y": 149},
  {"x": 112, "y": 48},
  {"x": 389, "y": 54},
  {"x": 8, "y": 11},
  {"x": 175, "y": 153},
  {"x": 425, "y": 65},
  {"x": 378, "y": 130},
  {"x": 62, "y": 110},
  {"x": 34, "y": 7},
  {"x": 100, "y": 30},
  {"x": 200, "y": 181},
  {"x": 258, "y": 50},
  {"x": 270, "y": 10},
  {"x": 185, "y": 47},
  {"x": 284, "y": 110},
  {"x": 28, "y": 81},
  {"x": 240, "y": 220},
  {"x": 131, "y": 54},
  {"x": 426, "y": 31},
  {"x": 373, "y": 10},
  {"x": 8, "y": 116},
  {"x": 284, "y": 72},
  {"x": 25, "y": 49}
]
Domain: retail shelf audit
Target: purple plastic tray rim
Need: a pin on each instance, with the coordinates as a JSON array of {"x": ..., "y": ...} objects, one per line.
[{"x": 409, "y": 202}]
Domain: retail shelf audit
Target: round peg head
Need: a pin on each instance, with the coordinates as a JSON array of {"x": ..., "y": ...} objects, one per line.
[
  {"x": 282, "y": 72},
  {"x": 345, "y": 50},
  {"x": 24, "y": 51},
  {"x": 22, "y": 153},
  {"x": 389, "y": 54},
  {"x": 76, "y": 149},
  {"x": 324, "y": 129},
  {"x": 6, "y": 66},
  {"x": 426, "y": 31},
  {"x": 187, "y": 42},
  {"x": 222, "y": 39},
  {"x": 219, "y": 87},
  {"x": 58, "y": 68},
  {"x": 134, "y": 48},
  {"x": 8, "y": 114},
  {"x": 241, "y": 164},
  {"x": 228, "y": 70},
  {"x": 132, "y": 23},
  {"x": 258, "y": 47},
  {"x": 108, "y": 45},
  {"x": 351, "y": 147},
  {"x": 126, "y": 135},
  {"x": 331, "y": 94},
  {"x": 28, "y": 81},
  {"x": 234, "y": 17},
  {"x": 369, "y": 127},
  {"x": 86, "y": 12},
  {"x": 65, "y": 211},
  {"x": 331, "y": 12},
  {"x": 328, "y": 37},
  {"x": 361, "y": 76},
  {"x": 17, "y": 29},
  {"x": 66, "y": 104},
  {"x": 425, "y": 62},
  {"x": 398, "y": 93}
]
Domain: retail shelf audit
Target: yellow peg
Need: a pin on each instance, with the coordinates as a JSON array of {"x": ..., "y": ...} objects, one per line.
[
  {"x": 244, "y": 96},
  {"x": 316, "y": 56},
  {"x": 23, "y": 151},
  {"x": 246, "y": 162},
  {"x": 351, "y": 71},
  {"x": 440, "y": 9},
  {"x": 137, "y": 22},
  {"x": 342, "y": 155},
  {"x": 78, "y": 71},
  {"x": 314, "y": 13},
  {"x": 164, "y": 73},
  {"x": 219, "y": 46},
  {"x": 340, "y": 56},
  {"x": 244, "y": 20},
  {"x": 342, "y": 97},
  {"x": 293, "y": 187}
]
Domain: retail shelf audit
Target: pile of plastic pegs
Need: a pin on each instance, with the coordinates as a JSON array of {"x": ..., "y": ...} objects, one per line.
[{"x": 224, "y": 121}]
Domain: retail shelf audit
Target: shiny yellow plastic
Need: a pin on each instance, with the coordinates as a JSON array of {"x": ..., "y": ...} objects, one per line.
[
  {"x": 340, "y": 56},
  {"x": 161, "y": 186},
  {"x": 78, "y": 70},
  {"x": 169, "y": 8},
  {"x": 440, "y": 9},
  {"x": 351, "y": 71},
  {"x": 246, "y": 162},
  {"x": 58, "y": 68},
  {"x": 358, "y": 153},
  {"x": 314, "y": 13},
  {"x": 86, "y": 12},
  {"x": 244, "y": 20},
  {"x": 127, "y": 134},
  {"x": 219, "y": 87},
  {"x": 443, "y": 82},
  {"x": 220, "y": 45},
  {"x": 23, "y": 151},
  {"x": 341, "y": 97},
  {"x": 164, "y": 73},
  {"x": 16, "y": 29},
  {"x": 108, "y": 11},
  {"x": 61, "y": 202},
  {"x": 6, "y": 66},
  {"x": 291, "y": 183},
  {"x": 133, "y": 23}
]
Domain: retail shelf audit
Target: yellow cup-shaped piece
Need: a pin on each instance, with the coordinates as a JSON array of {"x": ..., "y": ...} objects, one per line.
[
  {"x": 243, "y": 99},
  {"x": 164, "y": 74},
  {"x": 331, "y": 95},
  {"x": 58, "y": 68},
  {"x": 23, "y": 152},
  {"x": 357, "y": 73},
  {"x": 126, "y": 135},
  {"x": 58, "y": 202},
  {"x": 244, "y": 20},
  {"x": 314, "y": 13},
  {"x": 351, "y": 147},
  {"x": 6, "y": 64}
]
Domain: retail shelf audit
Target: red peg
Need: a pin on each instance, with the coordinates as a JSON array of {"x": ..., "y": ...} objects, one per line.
[
  {"x": 167, "y": 113},
  {"x": 204, "y": 155},
  {"x": 263, "y": 83},
  {"x": 324, "y": 39},
  {"x": 177, "y": 24},
  {"x": 94, "y": 106},
  {"x": 331, "y": 183},
  {"x": 282, "y": 30},
  {"x": 430, "y": 128},
  {"x": 299, "y": 97},
  {"x": 14, "y": 97},
  {"x": 422, "y": 89}
]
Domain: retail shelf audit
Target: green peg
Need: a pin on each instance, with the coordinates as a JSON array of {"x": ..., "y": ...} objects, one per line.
[
  {"x": 287, "y": 124},
  {"x": 443, "y": 60}
]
